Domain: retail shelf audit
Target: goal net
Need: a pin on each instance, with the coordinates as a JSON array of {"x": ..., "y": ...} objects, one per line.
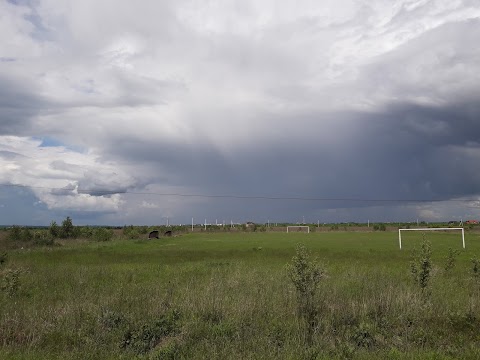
[
  {"x": 298, "y": 229},
  {"x": 431, "y": 229}
]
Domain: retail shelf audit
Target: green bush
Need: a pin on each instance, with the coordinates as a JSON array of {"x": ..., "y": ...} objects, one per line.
[
  {"x": 450, "y": 260},
  {"x": 102, "y": 234},
  {"x": 476, "y": 268},
  {"x": 130, "y": 232},
  {"x": 86, "y": 232},
  {"x": 43, "y": 238},
  {"x": 15, "y": 233},
  {"x": 54, "y": 230},
  {"x": 145, "y": 337},
  {"x": 10, "y": 282},
  {"x": 67, "y": 229},
  {"x": 305, "y": 275},
  {"x": 421, "y": 265}
]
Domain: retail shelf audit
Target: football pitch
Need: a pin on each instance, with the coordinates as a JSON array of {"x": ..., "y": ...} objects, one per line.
[{"x": 232, "y": 296}]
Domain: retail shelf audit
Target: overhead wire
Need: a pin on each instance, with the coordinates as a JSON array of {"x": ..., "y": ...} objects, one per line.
[{"x": 94, "y": 192}]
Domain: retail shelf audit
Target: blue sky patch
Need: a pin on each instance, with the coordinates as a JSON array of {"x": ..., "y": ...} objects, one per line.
[{"x": 48, "y": 141}]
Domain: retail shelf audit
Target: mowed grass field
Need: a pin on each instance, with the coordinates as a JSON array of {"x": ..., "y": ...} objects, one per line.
[{"x": 228, "y": 296}]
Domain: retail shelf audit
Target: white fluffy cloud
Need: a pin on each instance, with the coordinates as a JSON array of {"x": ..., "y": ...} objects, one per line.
[{"x": 62, "y": 178}]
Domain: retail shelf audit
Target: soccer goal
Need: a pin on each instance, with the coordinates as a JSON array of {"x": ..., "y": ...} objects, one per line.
[
  {"x": 298, "y": 229},
  {"x": 430, "y": 229}
]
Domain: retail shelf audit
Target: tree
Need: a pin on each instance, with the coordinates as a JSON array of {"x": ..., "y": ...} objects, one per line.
[
  {"x": 67, "y": 230},
  {"x": 54, "y": 229}
]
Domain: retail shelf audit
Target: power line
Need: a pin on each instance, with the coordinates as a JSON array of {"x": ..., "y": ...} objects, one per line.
[{"x": 244, "y": 197}]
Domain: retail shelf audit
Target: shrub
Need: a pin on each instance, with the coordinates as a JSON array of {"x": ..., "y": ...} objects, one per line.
[
  {"x": 421, "y": 265},
  {"x": 102, "y": 234},
  {"x": 451, "y": 259},
  {"x": 305, "y": 275},
  {"x": 144, "y": 338},
  {"x": 26, "y": 234},
  {"x": 67, "y": 229},
  {"x": 130, "y": 232},
  {"x": 476, "y": 268},
  {"x": 10, "y": 282},
  {"x": 86, "y": 232},
  {"x": 43, "y": 238},
  {"x": 54, "y": 230},
  {"x": 143, "y": 230},
  {"x": 15, "y": 233}
]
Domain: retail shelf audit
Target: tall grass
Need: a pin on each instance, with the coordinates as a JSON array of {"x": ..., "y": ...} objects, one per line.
[{"x": 229, "y": 296}]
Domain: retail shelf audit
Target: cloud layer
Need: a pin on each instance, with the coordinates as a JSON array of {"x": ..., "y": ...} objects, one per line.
[{"x": 338, "y": 99}]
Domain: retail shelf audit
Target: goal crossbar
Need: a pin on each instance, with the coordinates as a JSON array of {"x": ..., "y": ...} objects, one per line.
[
  {"x": 299, "y": 227},
  {"x": 429, "y": 229}
]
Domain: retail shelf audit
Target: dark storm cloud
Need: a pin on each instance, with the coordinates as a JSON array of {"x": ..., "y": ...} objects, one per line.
[
  {"x": 18, "y": 104},
  {"x": 396, "y": 154},
  {"x": 66, "y": 190}
]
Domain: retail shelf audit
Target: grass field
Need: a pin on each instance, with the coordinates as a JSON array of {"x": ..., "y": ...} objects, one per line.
[{"x": 228, "y": 296}]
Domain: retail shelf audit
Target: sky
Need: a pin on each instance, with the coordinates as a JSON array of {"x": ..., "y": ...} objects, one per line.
[{"x": 116, "y": 112}]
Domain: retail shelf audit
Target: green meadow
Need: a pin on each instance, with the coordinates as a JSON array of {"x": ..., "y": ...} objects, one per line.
[{"x": 230, "y": 296}]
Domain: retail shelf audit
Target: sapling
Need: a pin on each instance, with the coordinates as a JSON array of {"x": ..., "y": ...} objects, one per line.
[
  {"x": 421, "y": 265},
  {"x": 305, "y": 275},
  {"x": 451, "y": 259}
]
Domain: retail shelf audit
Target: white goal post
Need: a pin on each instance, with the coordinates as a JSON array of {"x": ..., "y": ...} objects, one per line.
[
  {"x": 298, "y": 227},
  {"x": 429, "y": 229}
]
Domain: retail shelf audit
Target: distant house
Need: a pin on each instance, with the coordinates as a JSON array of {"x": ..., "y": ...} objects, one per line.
[
  {"x": 471, "y": 222},
  {"x": 154, "y": 234}
]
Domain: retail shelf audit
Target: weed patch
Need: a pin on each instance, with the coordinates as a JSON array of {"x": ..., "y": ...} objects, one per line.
[{"x": 147, "y": 336}]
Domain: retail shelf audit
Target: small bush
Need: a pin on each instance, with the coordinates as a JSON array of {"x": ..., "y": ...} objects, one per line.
[
  {"x": 363, "y": 335},
  {"x": 476, "y": 268},
  {"x": 146, "y": 337},
  {"x": 54, "y": 230},
  {"x": 450, "y": 260},
  {"x": 67, "y": 229},
  {"x": 15, "y": 233},
  {"x": 86, "y": 232},
  {"x": 305, "y": 275},
  {"x": 102, "y": 234},
  {"x": 26, "y": 234},
  {"x": 421, "y": 265},
  {"x": 130, "y": 232},
  {"x": 379, "y": 227},
  {"x": 10, "y": 282}
]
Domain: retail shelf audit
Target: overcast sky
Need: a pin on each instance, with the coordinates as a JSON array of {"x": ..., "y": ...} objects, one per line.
[{"x": 333, "y": 99}]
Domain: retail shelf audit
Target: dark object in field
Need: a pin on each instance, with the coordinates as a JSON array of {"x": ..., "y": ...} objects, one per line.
[
  {"x": 154, "y": 234},
  {"x": 168, "y": 233},
  {"x": 3, "y": 258}
]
